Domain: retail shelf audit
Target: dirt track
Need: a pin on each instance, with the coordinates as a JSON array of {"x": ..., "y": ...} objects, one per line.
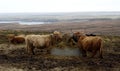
[{"x": 15, "y": 58}]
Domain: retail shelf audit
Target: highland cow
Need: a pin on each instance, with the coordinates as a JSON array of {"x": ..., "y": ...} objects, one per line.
[
  {"x": 40, "y": 42},
  {"x": 91, "y": 44},
  {"x": 15, "y": 39}
]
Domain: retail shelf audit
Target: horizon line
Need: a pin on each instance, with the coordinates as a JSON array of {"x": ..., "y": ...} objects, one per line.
[{"x": 63, "y": 12}]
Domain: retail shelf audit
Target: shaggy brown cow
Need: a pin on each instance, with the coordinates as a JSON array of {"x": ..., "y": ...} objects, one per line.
[
  {"x": 16, "y": 39},
  {"x": 40, "y": 41},
  {"x": 92, "y": 44}
]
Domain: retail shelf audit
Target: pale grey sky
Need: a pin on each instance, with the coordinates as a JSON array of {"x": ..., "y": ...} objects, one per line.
[{"x": 9, "y": 6}]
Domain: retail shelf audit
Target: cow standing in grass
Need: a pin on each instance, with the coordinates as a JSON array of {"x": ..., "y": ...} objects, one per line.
[
  {"x": 41, "y": 41},
  {"x": 86, "y": 44},
  {"x": 15, "y": 39}
]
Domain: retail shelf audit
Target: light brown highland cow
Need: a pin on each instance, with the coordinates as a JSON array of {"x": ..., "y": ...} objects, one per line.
[{"x": 91, "y": 44}]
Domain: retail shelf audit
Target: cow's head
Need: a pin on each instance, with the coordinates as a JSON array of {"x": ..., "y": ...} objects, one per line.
[
  {"x": 76, "y": 36},
  {"x": 57, "y": 36},
  {"x": 10, "y": 37}
]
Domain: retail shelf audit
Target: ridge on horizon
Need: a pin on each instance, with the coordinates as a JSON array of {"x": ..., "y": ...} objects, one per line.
[{"x": 63, "y": 13}]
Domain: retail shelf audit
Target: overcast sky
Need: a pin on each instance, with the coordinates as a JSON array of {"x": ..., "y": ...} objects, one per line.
[{"x": 9, "y": 6}]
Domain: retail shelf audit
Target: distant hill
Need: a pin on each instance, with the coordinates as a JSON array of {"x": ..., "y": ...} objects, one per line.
[
  {"x": 108, "y": 27},
  {"x": 58, "y": 17},
  {"x": 90, "y": 22}
]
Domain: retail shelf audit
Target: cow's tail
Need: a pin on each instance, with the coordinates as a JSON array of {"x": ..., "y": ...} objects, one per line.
[{"x": 101, "y": 48}]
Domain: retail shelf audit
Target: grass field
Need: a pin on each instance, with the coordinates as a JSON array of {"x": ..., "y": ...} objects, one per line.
[{"x": 15, "y": 57}]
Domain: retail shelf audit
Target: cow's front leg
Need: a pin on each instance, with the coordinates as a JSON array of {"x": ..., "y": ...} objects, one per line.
[{"x": 32, "y": 50}]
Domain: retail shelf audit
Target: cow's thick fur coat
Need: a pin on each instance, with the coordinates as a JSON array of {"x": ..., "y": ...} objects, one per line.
[
  {"x": 15, "y": 39},
  {"x": 91, "y": 44},
  {"x": 39, "y": 41}
]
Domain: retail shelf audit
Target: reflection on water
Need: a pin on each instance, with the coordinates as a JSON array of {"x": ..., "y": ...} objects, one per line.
[
  {"x": 66, "y": 51},
  {"x": 25, "y": 22},
  {"x": 33, "y": 23}
]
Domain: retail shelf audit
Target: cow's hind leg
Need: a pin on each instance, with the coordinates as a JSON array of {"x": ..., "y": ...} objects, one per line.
[
  {"x": 94, "y": 53},
  {"x": 100, "y": 54}
]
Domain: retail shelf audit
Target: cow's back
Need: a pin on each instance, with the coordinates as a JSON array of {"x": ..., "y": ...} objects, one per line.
[
  {"x": 38, "y": 40},
  {"x": 91, "y": 43}
]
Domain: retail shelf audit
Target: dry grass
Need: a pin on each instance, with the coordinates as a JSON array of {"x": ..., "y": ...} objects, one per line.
[{"x": 15, "y": 58}]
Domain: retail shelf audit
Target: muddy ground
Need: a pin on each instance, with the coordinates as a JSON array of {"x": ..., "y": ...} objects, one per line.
[{"x": 15, "y": 58}]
